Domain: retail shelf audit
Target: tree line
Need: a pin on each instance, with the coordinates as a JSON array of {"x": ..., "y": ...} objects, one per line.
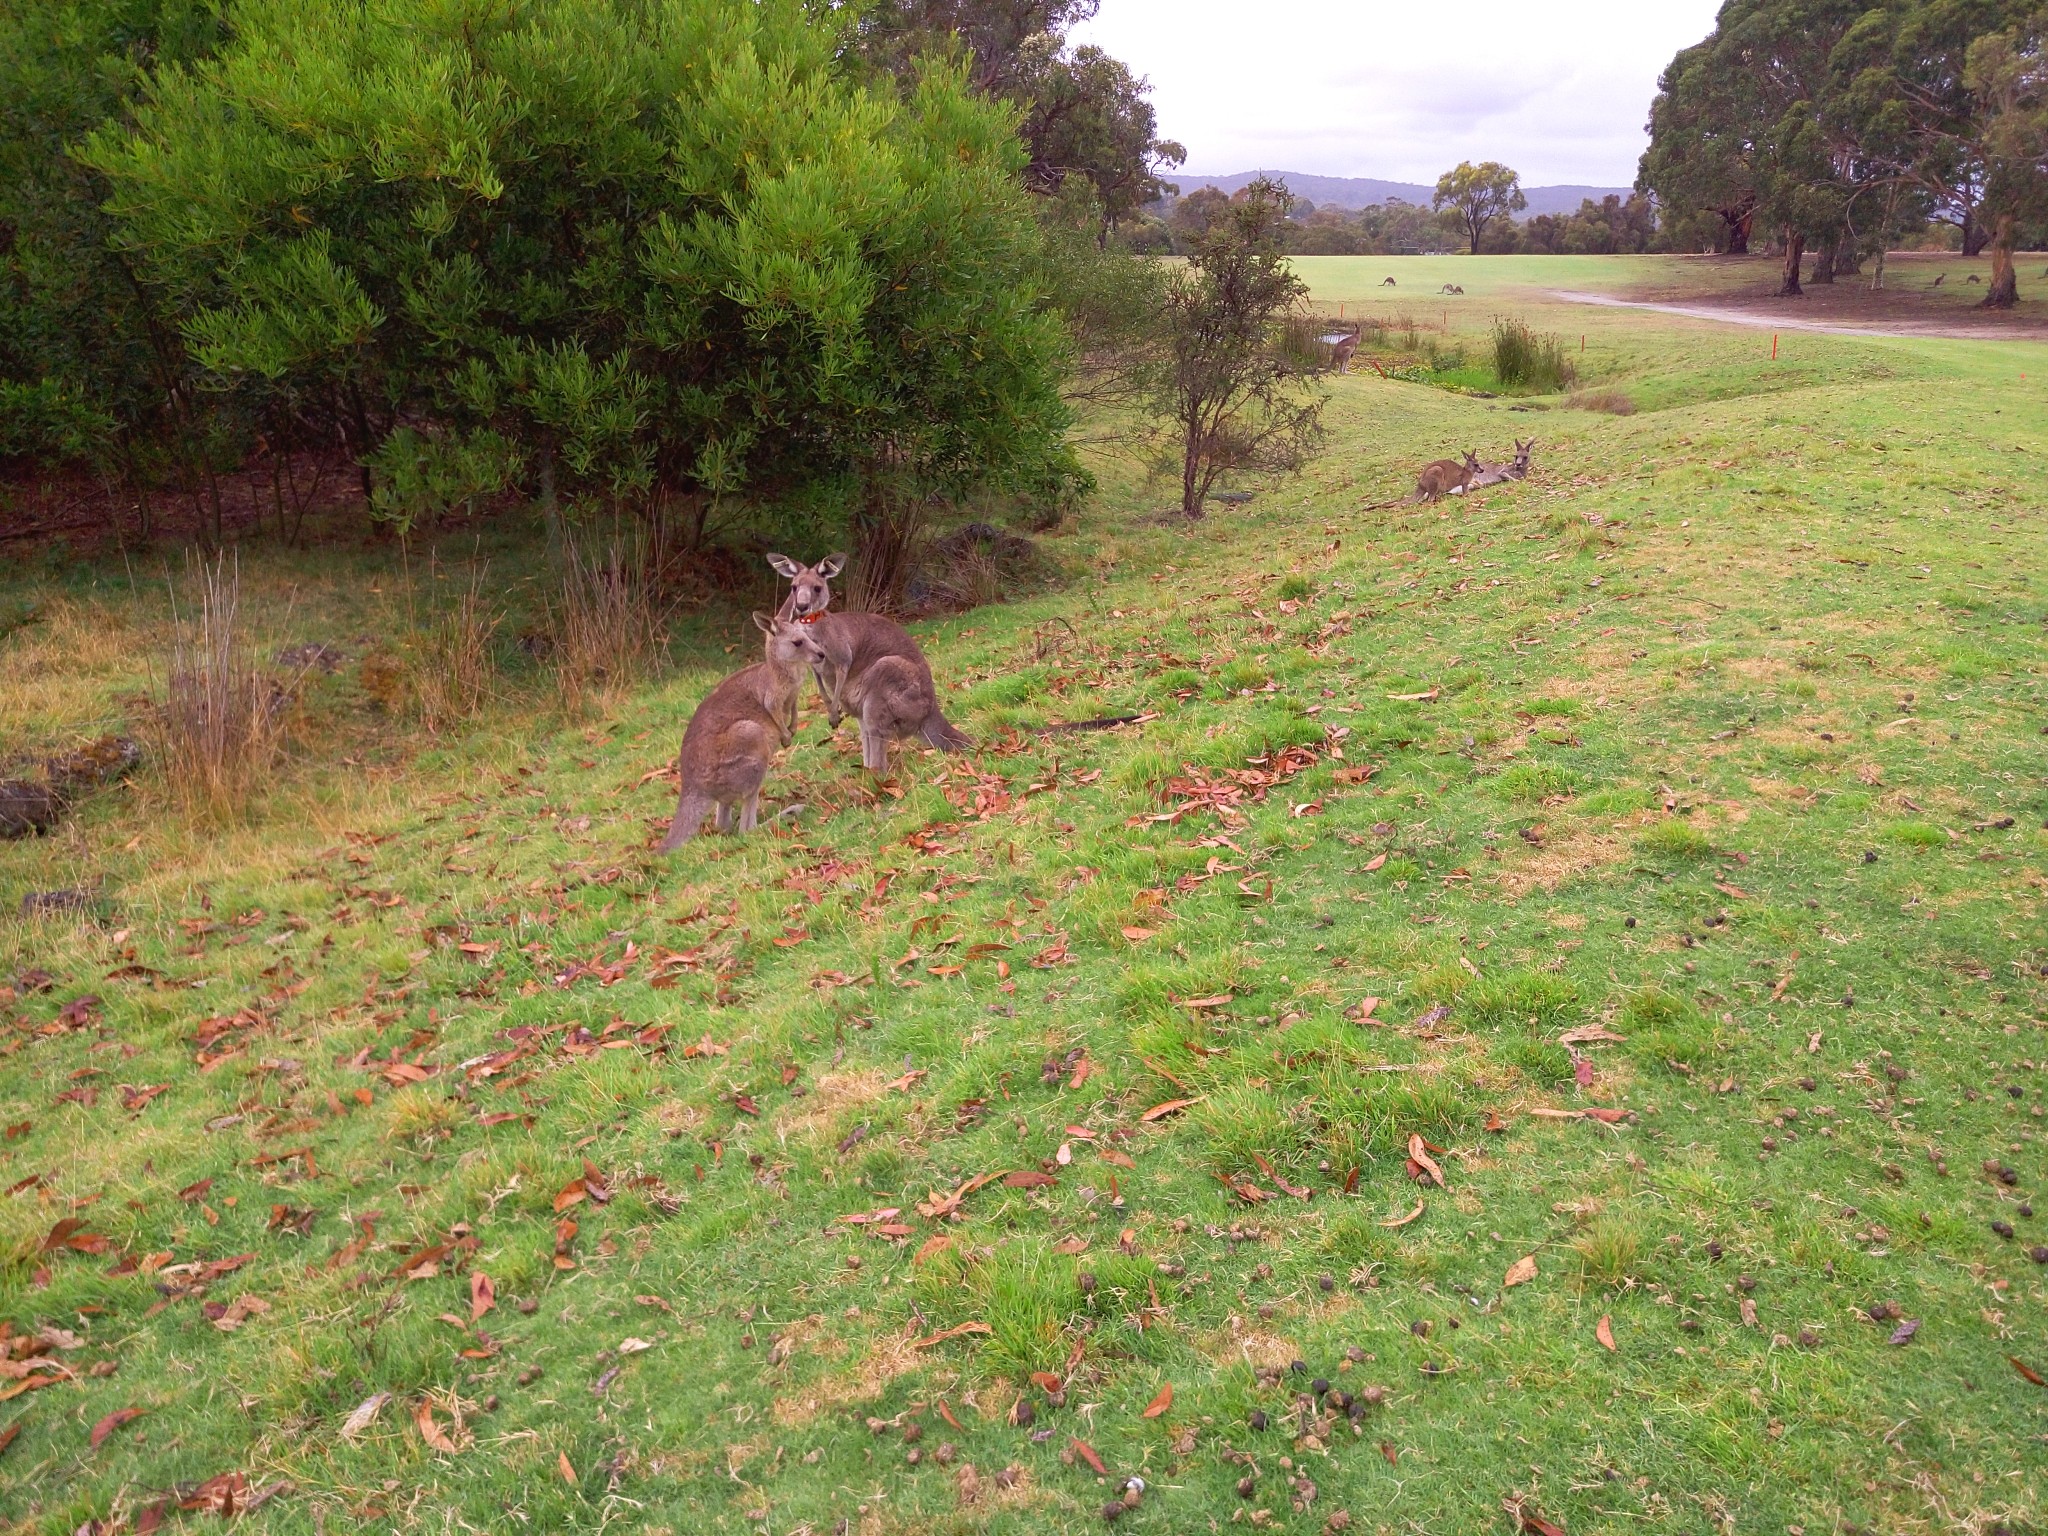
[{"x": 1835, "y": 125}]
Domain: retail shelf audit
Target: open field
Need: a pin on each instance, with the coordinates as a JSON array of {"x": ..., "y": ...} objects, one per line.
[{"x": 1716, "y": 749}]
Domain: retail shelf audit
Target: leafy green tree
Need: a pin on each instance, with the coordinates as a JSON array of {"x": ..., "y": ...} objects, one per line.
[
  {"x": 1087, "y": 115},
  {"x": 657, "y": 251},
  {"x": 1234, "y": 395},
  {"x": 88, "y": 367},
  {"x": 2007, "y": 74},
  {"x": 1479, "y": 194}
]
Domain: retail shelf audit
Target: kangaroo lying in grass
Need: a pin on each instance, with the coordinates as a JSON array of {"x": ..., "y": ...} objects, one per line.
[
  {"x": 1445, "y": 477},
  {"x": 868, "y": 667},
  {"x": 736, "y": 732},
  {"x": 1516, "y": 468}
]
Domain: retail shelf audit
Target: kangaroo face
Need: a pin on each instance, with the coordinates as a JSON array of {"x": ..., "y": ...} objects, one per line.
[
  {"x": 791, "y": 642},
  {"x": 810, "y": 586}
]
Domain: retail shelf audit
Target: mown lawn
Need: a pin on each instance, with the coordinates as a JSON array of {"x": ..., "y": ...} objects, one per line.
[{"x": 1682, "y": 809}]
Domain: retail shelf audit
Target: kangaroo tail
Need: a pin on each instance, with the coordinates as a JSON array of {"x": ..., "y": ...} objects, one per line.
[
  {"x": 690, "y": 813},
  {"x": 942, "y": 733}
]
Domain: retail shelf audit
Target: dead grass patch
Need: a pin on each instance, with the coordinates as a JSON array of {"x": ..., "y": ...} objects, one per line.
[
  {"x": 1565, "y": 856},
  {"x": 834, "y": 1094}
]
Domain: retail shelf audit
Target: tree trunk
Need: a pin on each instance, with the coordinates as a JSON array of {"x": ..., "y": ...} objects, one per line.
[
  {"x": 1477, "y": 228},
  {"x": 1738, "y": 221},
  {"x": 1795, "y": 249},
  {"x": 1824, "y": 263},
  {"x": 1975, "y": 235},
  {"x": 1190, "y": 475},
  {"x": 2005, "y": 287}
]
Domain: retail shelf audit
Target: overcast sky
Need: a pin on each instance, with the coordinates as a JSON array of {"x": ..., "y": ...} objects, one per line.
[{"x": 1558, "y": 89}]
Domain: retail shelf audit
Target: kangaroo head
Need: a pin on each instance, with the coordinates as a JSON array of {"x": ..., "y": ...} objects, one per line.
[
  {"x": 810, "y": 586},
  {"x": 1522, "y": 451},
  {"x": 790, "y": 641},
  {"x": 1471, "y": 462}
]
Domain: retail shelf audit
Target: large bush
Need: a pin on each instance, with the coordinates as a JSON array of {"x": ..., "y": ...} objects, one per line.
[{"x": 645, "y": 250}]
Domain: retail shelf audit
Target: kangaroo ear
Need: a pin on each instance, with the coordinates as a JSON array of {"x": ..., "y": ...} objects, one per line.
[
  {"x": 764, "y": 622},
  {"x": 782, "y": 565},
  {"x": 831, "y": 565}
]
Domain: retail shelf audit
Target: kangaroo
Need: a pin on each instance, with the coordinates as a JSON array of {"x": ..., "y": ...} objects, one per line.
[
  {"x": 1516, "y": 468},
  {"x": 872, "y": 669},
  {"x": 1341, "y": 351},
  {"x": 1388, "y": 282},
  {"x": 737, "y": 729},
  {"x": 1445, "y": 477},
  {"x": 810, "y": 586}
]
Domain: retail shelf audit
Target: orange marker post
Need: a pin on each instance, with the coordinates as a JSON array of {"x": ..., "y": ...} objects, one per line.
[{"x": 1774, "y": 346}]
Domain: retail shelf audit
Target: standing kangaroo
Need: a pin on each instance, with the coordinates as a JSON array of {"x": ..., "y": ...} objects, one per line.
[
  {"x": 866, "y": 666},
  {"x": 871, "y": 669},
  {"x": 1445, "y": 477},
  {"x": 737, "y": 730},
  {"x": 810, "y": 586}
]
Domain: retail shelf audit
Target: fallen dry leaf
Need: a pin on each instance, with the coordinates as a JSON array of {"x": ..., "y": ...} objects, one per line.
[
  {"x": 1161, "y": 1403},
  {"x": 2027, "y": 1371},
  {"x": 1028, "y": 1178},
  {"x": 364, "y": 1416},
  {"x": 568, "y": 1472},
  {"x": 1418, "y": 1153},
  {"x": 634, "y": 1346},
  {"x": 435, "y": 1436},
  {"x": 1161, "y": 1111},
  {"x": 1604, "y": 1332},
  {"x": 1139, "y": 935},
  {"x": 1377, "y": 861},
  {"x": 1589, "y": 1034},
  {"x": 112, "y": 1422},
  {"x": 1528, "y": 1520},
  {"x": 1086, "y": 1452},
  {"x": 1522, "y": 1271},
  {"x": 1402, "y": 1221},
  {"x": 953, "y": 1332},
  {"x": 483, "y": 1295}
]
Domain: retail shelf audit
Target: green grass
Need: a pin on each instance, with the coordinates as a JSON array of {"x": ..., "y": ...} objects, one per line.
[{"x": 1641, "y": 797}]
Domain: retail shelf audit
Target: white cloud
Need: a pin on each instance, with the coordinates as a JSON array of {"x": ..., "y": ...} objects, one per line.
[{"x": 1559, "y": 89}]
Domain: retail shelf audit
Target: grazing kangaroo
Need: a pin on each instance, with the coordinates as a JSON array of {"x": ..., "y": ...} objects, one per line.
[
  {"x": 737, "y": 730},
  {"x": 810, "y": 586},
  {"x": 1388, "y": 282},
  {"x": 871, "y": 669},
  {"x": 1445, "y": 477},
  {"x": 1451, "y": 288}
]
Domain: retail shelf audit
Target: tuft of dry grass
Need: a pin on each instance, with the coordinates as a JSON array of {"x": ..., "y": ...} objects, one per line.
[
  {"x": 451, "y": 660},
  {"x": 608, "y": 621},
  {"x": 220, "y": 727},
  {"x": 1611, "y": 402}
]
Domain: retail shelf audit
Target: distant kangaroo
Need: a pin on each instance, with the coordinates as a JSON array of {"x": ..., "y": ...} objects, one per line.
[
  {"x": 736, "y": 731},
  {"x": 1445, "y": 477},
  {"x": 810, "y": 586},
  {"x": 1388, "y": 282}
]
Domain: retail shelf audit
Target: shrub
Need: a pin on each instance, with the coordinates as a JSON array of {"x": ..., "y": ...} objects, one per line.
[
  {"x": 655, "y": 251},
  {"x": 1523, "y": 359}
]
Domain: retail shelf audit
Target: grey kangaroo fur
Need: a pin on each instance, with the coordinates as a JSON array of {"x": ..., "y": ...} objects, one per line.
[
  {"x": 871, "y": 669},
  {"x": 1445, "y": 477},
  {"x": 1516, "y": 468},
  {"x": 736, "y": 732}
]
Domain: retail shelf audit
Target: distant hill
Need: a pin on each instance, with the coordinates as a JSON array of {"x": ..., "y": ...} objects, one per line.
[{"x": 1361, "y": 191}]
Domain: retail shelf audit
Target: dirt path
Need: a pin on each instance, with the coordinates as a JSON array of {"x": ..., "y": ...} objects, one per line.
[{"x": 1765, "y": 320}]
